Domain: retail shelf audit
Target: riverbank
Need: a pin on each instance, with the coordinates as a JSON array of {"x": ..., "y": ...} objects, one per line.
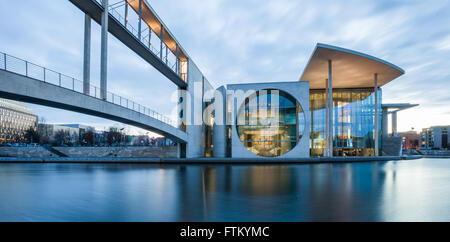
[
  {"x": 93, "y": 152},
  {"x": 136, "y": 160}
]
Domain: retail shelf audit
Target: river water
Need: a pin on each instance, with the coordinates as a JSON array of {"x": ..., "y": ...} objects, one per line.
[{"x": 413, "y": 190}]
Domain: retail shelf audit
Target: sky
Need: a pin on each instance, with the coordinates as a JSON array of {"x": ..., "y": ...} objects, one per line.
[{"x": 246, "y": 41}]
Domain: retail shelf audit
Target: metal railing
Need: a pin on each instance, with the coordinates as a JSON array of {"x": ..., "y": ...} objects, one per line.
[
  {"x": 28, "y": 69},
  {"x": 143, "y": 40}
]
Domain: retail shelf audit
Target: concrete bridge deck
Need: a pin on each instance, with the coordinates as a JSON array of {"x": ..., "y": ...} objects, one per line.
[{"x": 22, "y": 88}]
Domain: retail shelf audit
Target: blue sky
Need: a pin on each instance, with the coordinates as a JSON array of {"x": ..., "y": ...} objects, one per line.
[{"x": 247, "y": 41}]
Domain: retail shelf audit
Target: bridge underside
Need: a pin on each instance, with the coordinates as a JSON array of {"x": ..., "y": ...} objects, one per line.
[{"x": 22, "y": 88}]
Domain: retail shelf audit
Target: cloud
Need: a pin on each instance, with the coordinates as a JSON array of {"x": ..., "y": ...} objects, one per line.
[
  {"x": 444, "y": 44},
  {"x": 248, "y": 41}
]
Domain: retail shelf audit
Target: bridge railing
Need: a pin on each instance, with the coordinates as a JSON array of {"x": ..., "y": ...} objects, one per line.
[
  {"x": 40, "y": 73},
  {"x": 145, "y": 40}
]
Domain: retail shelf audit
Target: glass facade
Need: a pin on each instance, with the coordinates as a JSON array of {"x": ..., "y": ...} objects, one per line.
[
  {"x": 208, "y": 121},
  {"x": 353, "y": 119},
  {"x": 270, "y": 123}
]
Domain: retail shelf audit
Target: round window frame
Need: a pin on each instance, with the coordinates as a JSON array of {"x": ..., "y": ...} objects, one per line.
[{"x": 288, "y": 96}]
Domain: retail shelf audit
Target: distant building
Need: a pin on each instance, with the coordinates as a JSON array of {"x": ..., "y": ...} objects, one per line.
[
  {"x": 81, "y": 127},
  {"x": 82, "y": 130},
  {"x": 15, "y": 119},
  {"x": 161, "y": 141},
  {"x": 54, "y": 133},
  {"x": 410, "y": 140},
  {"x": 435, "y": 138}
]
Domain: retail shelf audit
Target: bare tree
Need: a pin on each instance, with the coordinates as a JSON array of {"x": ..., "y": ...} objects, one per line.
[
  {"x": 62, "y": 137},
  {"x": 87, "y": 138},
  {"x": 59, "y": 137},
  {"x": 44, "y": 134},
  {"x": 31, "y": 135},
  {"x": 42, "y": 120},
  {"x": 74, "y": 139},
  {"x": 114, "y": 136}
]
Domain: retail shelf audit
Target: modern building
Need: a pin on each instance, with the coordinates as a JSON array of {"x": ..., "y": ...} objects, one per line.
[
  {"x": 335, "y": 109},
  {"x": 81, "y": 127},
  {"x": 410, "y": 140},
  {"x": 15, "y": 119},
  {"x": 435, "y": 138},
  {"x": 58, "y": 134}
]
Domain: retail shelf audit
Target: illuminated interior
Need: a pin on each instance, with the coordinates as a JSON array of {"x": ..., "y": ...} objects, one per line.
[
  {"x": 354, "y": 126},
  {"x": 270, "y": 123}
]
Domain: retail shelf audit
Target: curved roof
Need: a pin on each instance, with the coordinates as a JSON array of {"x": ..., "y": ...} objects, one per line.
[{"x": 350, "y": 69}]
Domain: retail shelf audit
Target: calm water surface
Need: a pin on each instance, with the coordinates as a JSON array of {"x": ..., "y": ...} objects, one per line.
[{"x": 416, "y": 190}]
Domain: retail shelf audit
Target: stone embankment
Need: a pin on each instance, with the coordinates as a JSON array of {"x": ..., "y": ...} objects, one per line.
[
  {"x": 95, "y": 152},
  {"x": 26, "y": 152}
]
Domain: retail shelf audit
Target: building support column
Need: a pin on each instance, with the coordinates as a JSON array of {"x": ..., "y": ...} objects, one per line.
[
  {"x": 377, "y": 133},
  {"x": 87, "y": 55},
  {"x": 384, "y": 124},
  {"x": 104, "y": 51},
  {"x": 140, "y": 20},
  {"x": 330, "y": 110},
  {"x": 394, "y": 123},
  {"x": 220, "y": 125}
]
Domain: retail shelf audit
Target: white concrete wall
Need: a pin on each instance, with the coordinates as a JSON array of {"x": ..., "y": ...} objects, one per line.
[
  {"x": 195, "y": 146},
  {"x": 300, "y": 91},
  {"x": 220, "y": 131}
]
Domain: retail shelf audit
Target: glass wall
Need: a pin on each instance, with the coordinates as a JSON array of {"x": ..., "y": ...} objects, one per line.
[
  {"x": 270, "y": 123},
  {"x": 208, "y": 122},
  {"x": 353, "y": 118}
]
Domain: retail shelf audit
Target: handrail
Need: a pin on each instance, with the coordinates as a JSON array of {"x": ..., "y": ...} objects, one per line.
[
  {"x": 114, "y": 13},
  {"x": 25, "y": 68}
]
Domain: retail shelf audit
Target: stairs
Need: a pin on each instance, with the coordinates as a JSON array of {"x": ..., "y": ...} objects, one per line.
[{"x": 392, "y": 146}]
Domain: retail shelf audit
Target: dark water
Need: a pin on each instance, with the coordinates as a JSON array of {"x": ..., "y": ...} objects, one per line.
[{"x": 416, "y": 190}]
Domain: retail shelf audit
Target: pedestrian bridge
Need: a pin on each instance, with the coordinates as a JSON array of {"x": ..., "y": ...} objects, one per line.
[{"x": 21, "y": 80}]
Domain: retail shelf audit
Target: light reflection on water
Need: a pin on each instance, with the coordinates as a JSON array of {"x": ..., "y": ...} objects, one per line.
[{"x": 415, "y": 190}]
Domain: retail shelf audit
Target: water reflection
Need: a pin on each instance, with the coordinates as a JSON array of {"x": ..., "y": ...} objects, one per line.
[{"x": 383, "y": 191}]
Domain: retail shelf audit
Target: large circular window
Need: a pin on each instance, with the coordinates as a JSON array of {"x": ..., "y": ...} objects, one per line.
[{"x": 270, "y": 123}]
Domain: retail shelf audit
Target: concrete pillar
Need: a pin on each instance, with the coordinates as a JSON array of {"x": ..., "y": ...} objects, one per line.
[
  {"x": 161, "y": 37},
  {"x": 384, "y": 126},
  {"x": 376, "y": 115},
  {"x": 178, "y": 150},
  {"x": 87, "y": 55},
  {"x": 220, "y": 128},
  {"x": 140, "y": 19},
  {"x": 181, "y": 109},
  {"x": 394, "y": 123},
  {"x": 104, "y": 52},
  {"x": 330, "y": 109}
]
